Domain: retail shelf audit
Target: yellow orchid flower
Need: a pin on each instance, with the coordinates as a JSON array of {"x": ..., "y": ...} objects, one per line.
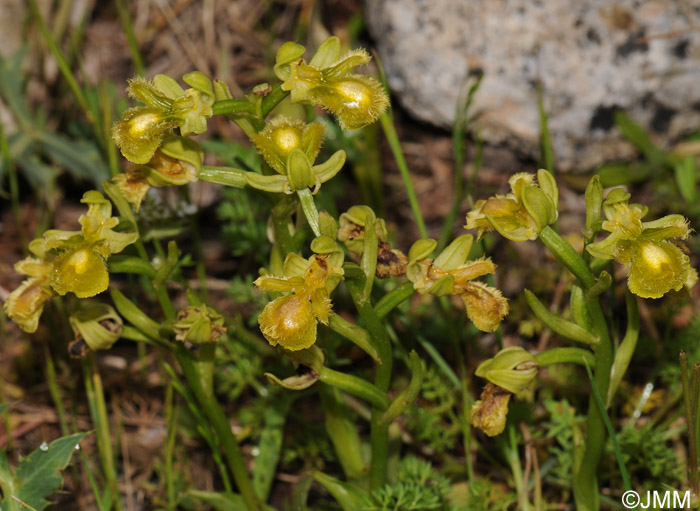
[
  {"x": 451, "y": 273},
  {"x": 655, "y": 265},
  {"x": 523, "y": 213},
  {"x": 327, "y": 81},
  {"x": 290, "y": 321}
]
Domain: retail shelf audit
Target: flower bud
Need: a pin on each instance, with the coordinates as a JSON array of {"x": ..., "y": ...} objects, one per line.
[
  {"x": 199, "y": 325},
  {"x": 513, "y": 369},
  {"x": 98, "y": 325}
]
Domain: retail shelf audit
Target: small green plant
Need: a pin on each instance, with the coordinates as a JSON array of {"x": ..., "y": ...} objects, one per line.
[{"x": 328, "y": 344}]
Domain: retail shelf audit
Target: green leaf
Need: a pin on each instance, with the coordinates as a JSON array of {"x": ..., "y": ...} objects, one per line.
[
  {"x": 38, "y": 476},
  {"x": 685, "y": 171},
  {"x": 270, "y": 446},
  {"x": 79, "y": 157},
  {"x": 350, "y": 497},
  {"x": 556, "y": 324},
  {"x": 617, "y": 174},
  {"x": 4, "y": 406}
]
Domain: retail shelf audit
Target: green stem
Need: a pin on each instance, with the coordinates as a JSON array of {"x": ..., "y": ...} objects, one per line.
[
  {"x": 393, "y": 299},
  {"x": 379, "y": 433},
  {"x": 233, "y": 106},
  {"x": 172, "y": 414},
  {"x": 568, "y": 256},
  {"x": 585, "y": 480},
  {"x": 272, "y": 99},
  {"x": 221, "y": 427},
  {"x": 393, "y": 139}
]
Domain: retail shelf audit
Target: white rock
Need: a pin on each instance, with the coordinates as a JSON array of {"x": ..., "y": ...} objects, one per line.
[{"x": 591, "y": 57}]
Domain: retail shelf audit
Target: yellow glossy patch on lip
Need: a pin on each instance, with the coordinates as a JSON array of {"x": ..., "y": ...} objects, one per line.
[
  {"x": 139, "y": 125},
  {"x": 355, "y": 93},
  {"x": 655, "y": 257},
  {"x": 287, "y": 139},
  {"x": 79, "y": 261}
]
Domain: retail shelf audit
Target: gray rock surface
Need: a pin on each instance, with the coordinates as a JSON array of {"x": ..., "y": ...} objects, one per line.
[{"x": 591, "y": 57}]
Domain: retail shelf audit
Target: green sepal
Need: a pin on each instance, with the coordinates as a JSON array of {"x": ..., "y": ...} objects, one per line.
[
  {"x": 289, "y": 52},
  {"x": 420, "y": 250},
  {"x": 312, "y": 357},
  {"x": 97, "y": 324},
  {"x": 273, "y": 184},
  {"x": 594, "y": 204},
  {"x": 168, "y": 86},
  {"x": 549, "y": 186},
  {"x": 295, "y": 265},
  {"x": 513, "y": 369},
  {"x": 301, "y": 382},
  {"x": 539, "y": 206},
  {"x": 327, "y": 54},
  {"x": 441, "y": 287},
  {"x": 221, "y": 91},
  {"x": 456, "y": 253},
  {"x": 199, "y": 81},
  {"x": 328, "y": 169},
  {"x": 508, "y": 228},
  {"x": 299, "y": 172}
]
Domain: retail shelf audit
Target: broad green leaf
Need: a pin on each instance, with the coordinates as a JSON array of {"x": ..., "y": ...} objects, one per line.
[
  {"x": 4, "y": 406},
  {"x": 38, "y": 476}
]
